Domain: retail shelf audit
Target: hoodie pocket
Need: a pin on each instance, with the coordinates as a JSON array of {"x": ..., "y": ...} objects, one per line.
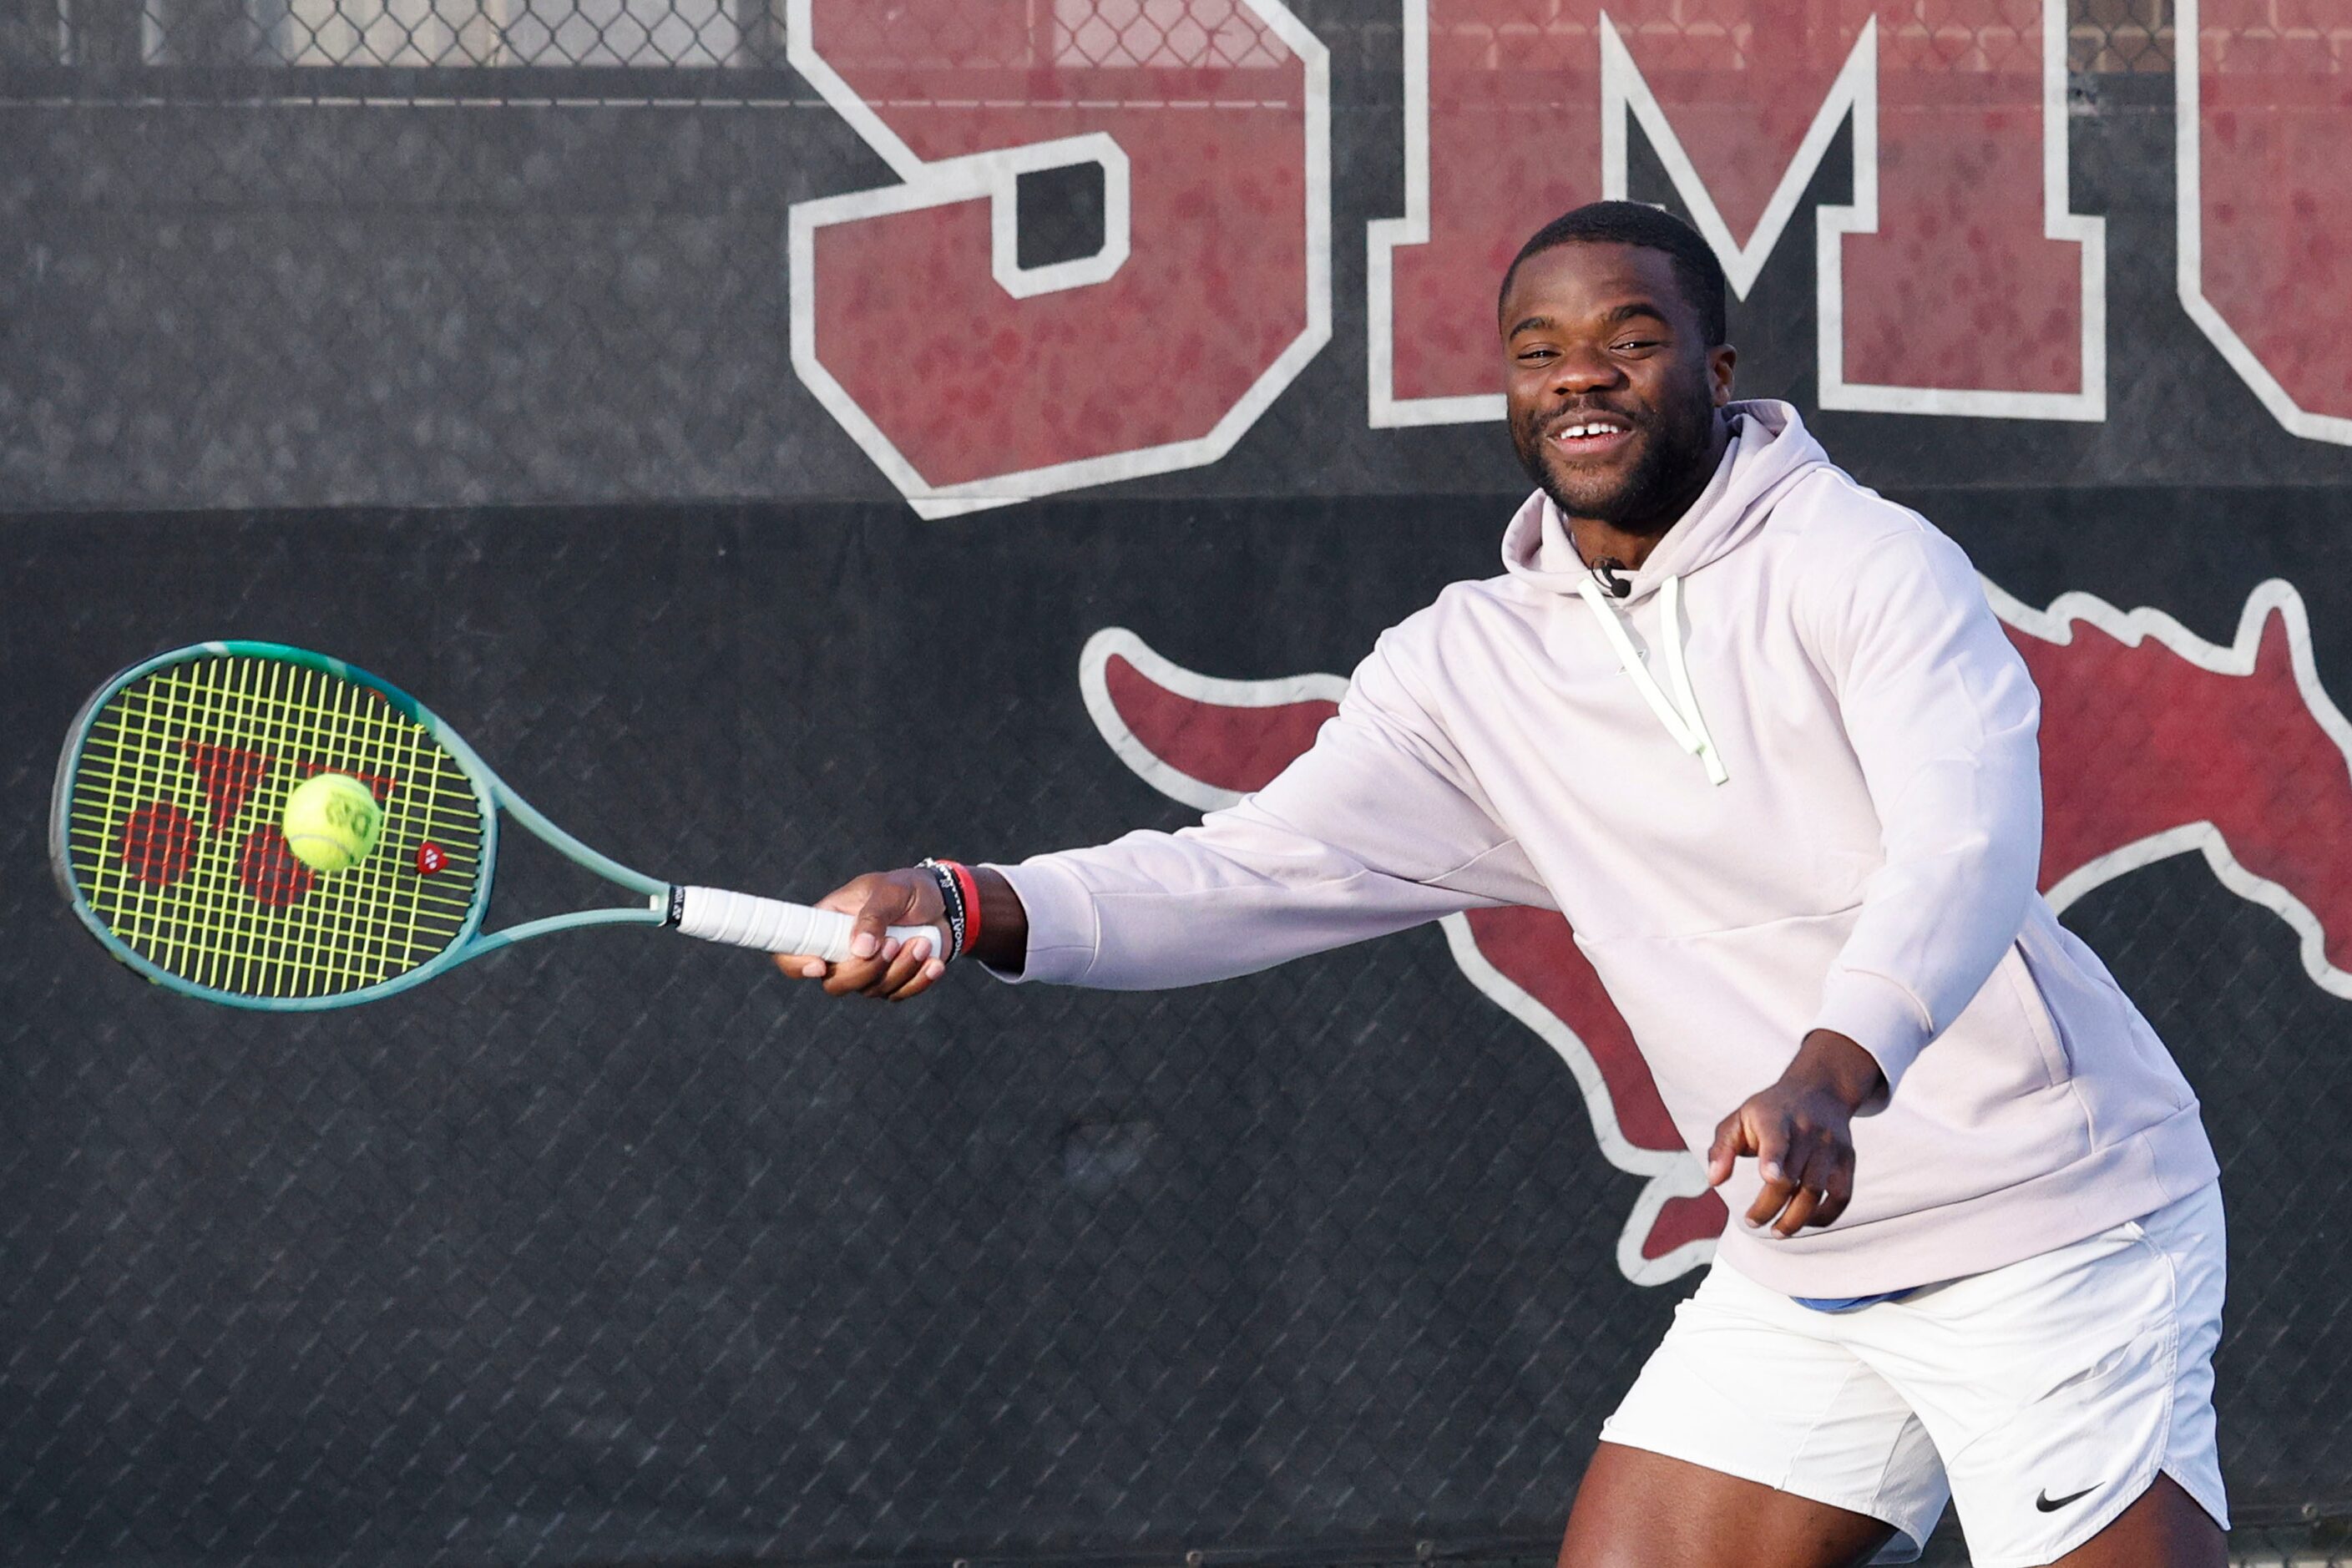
[{"x": 2039, "y": 1027}]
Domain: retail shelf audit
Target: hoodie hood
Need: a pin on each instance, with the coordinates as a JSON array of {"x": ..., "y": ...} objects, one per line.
[{"x": 1769, "y": 451}]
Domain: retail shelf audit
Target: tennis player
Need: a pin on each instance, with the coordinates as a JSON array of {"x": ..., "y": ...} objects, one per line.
[{"x": 1754, "y": 730}]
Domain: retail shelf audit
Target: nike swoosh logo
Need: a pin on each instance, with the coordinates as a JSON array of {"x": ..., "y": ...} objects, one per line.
[{"x": 2048, "y": 1504}]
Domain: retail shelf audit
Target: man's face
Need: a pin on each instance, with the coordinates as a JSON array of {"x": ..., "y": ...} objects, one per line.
[{"x": 1611, "y": 388}]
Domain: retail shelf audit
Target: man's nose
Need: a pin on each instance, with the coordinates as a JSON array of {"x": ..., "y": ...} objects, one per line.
[{"x": 1582, "y": 369}]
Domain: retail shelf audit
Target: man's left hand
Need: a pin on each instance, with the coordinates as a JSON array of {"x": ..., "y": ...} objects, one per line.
[{"x": 1799, "y": 1132}]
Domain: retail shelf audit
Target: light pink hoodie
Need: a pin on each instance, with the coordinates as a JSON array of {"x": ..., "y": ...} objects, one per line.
[{"x": 1791, "y": 782}]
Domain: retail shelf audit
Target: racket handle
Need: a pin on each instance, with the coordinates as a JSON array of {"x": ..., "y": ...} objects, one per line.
[{"x": 772, "y": 925}]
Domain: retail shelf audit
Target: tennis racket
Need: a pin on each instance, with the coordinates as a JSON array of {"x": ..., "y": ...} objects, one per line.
[{"x": 164, "y": 833}]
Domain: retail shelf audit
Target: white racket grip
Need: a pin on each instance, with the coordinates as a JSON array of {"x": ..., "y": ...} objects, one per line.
[{"x": 772, "y": 925}]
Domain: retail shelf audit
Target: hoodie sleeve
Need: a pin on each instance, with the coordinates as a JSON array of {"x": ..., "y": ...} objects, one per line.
[
  {"x": 1375, "y": 827},
  {"x": 1942, "y": 715}
]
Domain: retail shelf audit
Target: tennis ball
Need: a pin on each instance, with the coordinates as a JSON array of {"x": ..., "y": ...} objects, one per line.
[{"x": 331, "y": 822}]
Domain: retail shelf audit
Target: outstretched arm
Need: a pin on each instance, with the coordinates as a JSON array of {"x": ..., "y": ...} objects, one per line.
[{"x": 1376, "y": 827}]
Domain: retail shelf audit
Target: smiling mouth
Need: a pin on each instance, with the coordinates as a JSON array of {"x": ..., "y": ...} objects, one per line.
[{"x": 1589, "y": 437}]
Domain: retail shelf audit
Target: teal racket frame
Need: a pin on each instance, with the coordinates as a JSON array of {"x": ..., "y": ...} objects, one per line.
[{"x": 493, "y": 797}]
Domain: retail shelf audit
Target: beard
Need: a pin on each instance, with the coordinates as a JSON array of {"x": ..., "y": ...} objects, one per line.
[{"x": 1671, "y": 463}]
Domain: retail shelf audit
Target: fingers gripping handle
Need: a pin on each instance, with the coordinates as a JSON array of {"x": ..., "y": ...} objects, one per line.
[{"x": 773, "y": 925}]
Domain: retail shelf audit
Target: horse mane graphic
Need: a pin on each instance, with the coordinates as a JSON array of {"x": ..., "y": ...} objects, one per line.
[{"x": 2153, "y": 742}]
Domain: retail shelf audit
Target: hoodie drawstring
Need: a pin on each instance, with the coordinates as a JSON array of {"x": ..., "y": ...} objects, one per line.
[{"x": 1679, "y": 713}]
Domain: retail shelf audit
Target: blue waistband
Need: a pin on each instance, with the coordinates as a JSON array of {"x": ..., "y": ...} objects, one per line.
[{"x": 1851, "y": 1303}]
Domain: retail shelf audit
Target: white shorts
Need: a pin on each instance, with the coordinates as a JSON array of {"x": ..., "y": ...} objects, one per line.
[{"x": 2043, "y": 1397}]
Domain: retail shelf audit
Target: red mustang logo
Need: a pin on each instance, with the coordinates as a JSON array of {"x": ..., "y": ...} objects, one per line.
[{"x": 2153, "y": 742}]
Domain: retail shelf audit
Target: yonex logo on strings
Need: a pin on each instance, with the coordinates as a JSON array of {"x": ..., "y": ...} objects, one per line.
[{"x": 159, "y": 840}]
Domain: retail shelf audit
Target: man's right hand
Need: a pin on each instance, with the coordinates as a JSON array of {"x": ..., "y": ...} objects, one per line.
[
  {"x": 882, "y": 966},
  {"x": 893, "y": 971}
]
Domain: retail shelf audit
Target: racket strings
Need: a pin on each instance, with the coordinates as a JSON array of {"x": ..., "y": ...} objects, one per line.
[{"x": 175, "y": 845}]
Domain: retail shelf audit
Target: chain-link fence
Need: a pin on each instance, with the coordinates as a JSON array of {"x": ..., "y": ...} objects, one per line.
[
  {"x": 2103, "y": 35},
  {"x": 442, "y": 252},
  {"x": 680, "y": 35}
]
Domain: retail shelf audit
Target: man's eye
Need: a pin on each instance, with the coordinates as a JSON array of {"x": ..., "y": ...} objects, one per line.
[{"x": 1631, "y": 344}]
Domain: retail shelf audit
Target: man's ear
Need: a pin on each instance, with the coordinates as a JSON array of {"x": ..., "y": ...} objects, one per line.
[{"x": 1720, "y": 360}]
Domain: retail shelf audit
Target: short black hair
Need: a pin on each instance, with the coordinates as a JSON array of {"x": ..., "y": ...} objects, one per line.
[{"x": 1696, "y": 270}]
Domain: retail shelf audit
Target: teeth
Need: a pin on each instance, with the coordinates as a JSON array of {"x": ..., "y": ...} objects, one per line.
[{"x": 1575, "y": 430}]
